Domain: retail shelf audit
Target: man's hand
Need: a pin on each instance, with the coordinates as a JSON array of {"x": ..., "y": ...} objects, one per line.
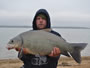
[
  {"x": 25, "y": 51},
  {"x": 56, "y": 52}
]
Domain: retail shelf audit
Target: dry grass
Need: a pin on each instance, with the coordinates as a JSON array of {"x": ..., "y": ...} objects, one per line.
[
  {"x": 63, "y": 63},
  {"x": 10, "y": 63},
  {"x": 70, "y": 63}
]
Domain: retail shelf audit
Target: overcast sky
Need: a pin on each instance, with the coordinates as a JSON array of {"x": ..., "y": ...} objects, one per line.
[{"x": 62, "y": 12}]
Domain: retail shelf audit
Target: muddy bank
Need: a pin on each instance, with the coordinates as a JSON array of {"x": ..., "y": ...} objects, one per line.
[{"x": 64, "y": 62}]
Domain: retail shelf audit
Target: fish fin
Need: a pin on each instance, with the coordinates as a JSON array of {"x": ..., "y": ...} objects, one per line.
[
  {"x": 66, "y": 53},
  {"x": 76, "y": 56},
  {"x": 48, "y": 29},
  {"x": 76, "y": 52}
]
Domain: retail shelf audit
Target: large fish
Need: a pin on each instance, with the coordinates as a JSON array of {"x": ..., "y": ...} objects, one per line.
[{"x": 42, "y": 42}]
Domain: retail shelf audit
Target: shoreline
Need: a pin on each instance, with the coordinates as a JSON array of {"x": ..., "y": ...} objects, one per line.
[{"x": 64, "y": 62}]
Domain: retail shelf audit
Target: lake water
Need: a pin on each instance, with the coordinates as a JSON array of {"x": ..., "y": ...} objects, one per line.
[{"x": 70, "y": 35}]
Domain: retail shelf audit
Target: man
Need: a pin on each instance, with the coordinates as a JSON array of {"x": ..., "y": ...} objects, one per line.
[{"x": 41, "y": 21}]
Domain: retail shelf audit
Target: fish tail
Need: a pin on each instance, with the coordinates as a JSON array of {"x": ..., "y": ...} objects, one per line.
[{"x": 76, "y": 52}]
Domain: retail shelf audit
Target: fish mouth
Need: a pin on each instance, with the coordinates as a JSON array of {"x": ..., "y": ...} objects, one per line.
[{"x": 10, "y": 46}]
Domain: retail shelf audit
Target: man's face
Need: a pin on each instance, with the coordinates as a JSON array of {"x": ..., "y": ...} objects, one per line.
[{"x": 40, "y": 22}]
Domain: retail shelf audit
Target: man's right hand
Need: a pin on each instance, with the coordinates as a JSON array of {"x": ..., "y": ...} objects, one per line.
[
  {"x": 17, "y": 49},
  {"x": 25, "y": 50}
]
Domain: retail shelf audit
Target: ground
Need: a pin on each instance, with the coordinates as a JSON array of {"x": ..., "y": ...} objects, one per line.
[{"x": 63, "y": 62}]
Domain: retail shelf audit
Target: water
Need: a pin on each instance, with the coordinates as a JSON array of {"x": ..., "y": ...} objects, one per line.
[{"x": 70, "y": 35}]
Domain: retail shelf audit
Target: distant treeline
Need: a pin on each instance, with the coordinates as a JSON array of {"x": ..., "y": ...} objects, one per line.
[{"x": 57, "y": 27}]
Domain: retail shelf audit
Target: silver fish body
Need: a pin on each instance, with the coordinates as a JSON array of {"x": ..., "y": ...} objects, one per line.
[{"x": 42, "y": 42}]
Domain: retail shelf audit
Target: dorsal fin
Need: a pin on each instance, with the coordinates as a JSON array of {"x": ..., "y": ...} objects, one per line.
[{"x": 48, "y": 29}]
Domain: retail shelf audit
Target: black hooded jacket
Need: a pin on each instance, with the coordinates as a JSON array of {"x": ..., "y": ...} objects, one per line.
[
  {"x": 37, "y": 61},
  {"x": 41, "y": 11}
]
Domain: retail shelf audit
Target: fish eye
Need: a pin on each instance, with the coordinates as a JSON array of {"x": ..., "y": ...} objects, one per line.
[{"x": 12, "y": 41}]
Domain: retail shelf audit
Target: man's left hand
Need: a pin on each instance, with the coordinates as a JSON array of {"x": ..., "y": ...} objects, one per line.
[{"x": 56, "y": 52}]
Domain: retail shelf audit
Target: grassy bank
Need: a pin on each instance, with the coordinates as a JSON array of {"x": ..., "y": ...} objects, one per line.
[{"x": 63, "y": 62}]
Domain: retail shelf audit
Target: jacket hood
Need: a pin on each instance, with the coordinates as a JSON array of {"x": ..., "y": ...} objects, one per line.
[{"x": 41, "y": 11}]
